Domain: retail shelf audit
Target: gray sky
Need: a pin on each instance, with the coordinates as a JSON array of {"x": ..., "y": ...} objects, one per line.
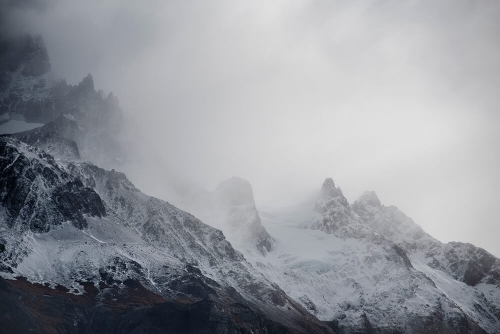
[{"x": 397, "y": 97}]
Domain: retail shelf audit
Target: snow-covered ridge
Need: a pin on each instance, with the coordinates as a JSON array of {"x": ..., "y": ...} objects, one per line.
[
  {"x": 370, "y": 266},
  {"x": 103, "y": 229},
  {"x": 366, "y": 266}
]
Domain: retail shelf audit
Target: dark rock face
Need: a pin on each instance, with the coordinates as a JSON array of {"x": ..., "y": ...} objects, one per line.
[
  {"x": 401, "y": 252},
  {"x": 38, "y": 194},
  {"x": 27, "y": 52},
  {"x": 35, "y": 308},
  {"x": 467, "y": 263}
]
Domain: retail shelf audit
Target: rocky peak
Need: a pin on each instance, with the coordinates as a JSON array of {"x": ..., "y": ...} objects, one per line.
[
  {"x": 370, "y": 198},
  {"x": 87, "y": 84},
  {"x": 329, "y": 192},
  {"x": 328, "y": 188},
  {"x": 337, "y": 217}
]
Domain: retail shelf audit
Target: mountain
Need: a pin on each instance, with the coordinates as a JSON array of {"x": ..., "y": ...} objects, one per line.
[
  {"x": 31, "y": 93},
  {"x": 82, "y": 250},
  {"x": 75, "y": 226},
  {"x": 369, "y": 268}
]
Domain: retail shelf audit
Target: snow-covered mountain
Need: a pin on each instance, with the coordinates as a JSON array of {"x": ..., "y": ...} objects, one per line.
[
  {"x": 83, "y": 250},
  {"x": 367, "y": 267},
  {"x": 66, "y": 223}
]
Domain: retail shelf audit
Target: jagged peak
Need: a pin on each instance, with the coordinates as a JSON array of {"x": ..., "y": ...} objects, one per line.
[
  {"x": 87, "y": 82},
  {"x": 329, "y": 193},
  {"x": 328, "y": 183},
  {"x": 328, "y": 189},
  {"x": 370, "y": 198}
]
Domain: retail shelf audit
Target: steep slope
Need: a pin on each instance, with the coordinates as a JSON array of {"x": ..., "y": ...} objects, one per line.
[
  {"x": 390, "y": 222},
  {"x": 82, "y": 225},
  {"x": 348, "y": 272},
  {"x": 467, "y": 274},
  {"x": 465, "y": 262}
]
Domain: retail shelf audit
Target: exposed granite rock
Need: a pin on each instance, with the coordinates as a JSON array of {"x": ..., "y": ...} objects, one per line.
[
  {"x": 337, "y": 217},
  {"x": 38, "y": 194},
  {"x": 36, "y": 308}
]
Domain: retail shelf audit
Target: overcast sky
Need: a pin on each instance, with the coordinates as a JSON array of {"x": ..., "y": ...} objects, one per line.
[{"x": 400, "y": 97}]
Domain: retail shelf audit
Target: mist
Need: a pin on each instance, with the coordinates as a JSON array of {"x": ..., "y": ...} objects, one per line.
[{"x": 396, "y": 97}]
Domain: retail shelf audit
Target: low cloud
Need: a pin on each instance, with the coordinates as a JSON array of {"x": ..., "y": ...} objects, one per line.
[{"x": 396, "y": 97}]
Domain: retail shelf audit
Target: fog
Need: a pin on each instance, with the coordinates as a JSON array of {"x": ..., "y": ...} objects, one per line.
[{"x": 396, "y": 97}]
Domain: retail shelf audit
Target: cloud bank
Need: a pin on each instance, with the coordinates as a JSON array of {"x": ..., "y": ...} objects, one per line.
[{"x": 396, "y": 97}]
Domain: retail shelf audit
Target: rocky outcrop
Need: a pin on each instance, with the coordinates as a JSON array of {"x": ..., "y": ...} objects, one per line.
[
  {"x": 38, "y": 194},
  {"x": 466, "y": 263},
  {"x": 36, "y": 308},
  {"x": 336, "y": 215}
]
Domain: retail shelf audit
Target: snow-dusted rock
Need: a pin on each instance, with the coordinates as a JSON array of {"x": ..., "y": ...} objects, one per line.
[
  {"x": 361, "y": 267},
  {"x": 69, "y": 222},
  {"x": 336, "y": 215}
]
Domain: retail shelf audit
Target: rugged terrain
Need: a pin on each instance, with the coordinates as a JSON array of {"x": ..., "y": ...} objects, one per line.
[
  {"x": 83, "y": 250},
  {"x": 369, "y": 268}
]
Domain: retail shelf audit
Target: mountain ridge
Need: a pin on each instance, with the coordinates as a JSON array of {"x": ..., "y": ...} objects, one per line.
[{"x": 77, "y": 234}]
